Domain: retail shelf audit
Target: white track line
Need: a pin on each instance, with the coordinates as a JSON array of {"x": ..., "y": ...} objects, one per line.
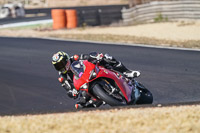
[
  {"x": 126, "y": 44},
  {"x": 25, "y": 23}
]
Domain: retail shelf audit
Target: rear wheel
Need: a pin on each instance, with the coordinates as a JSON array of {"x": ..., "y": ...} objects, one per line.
[
  {"x": 146, "y": 97},
  {"x": 101, "y": 93}
]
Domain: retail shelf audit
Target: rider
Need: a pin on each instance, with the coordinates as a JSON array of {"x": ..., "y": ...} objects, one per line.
[{"x": 62, "y": 63}]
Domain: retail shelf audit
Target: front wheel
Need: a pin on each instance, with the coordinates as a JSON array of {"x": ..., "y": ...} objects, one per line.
[{"x": 100, "y": 93}]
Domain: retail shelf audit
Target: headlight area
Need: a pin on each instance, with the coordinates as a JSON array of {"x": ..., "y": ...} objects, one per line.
[{"x": 84, "y": 87}]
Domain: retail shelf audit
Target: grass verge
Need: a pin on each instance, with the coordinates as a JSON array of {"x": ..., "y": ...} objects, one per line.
[
  {"x": 181, "y": 119},
  {"x": 130, "y": 40},
  {"x": 32, "y": 27}
]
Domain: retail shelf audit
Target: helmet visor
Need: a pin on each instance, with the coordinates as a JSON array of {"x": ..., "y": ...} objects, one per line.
[{"x": 59, "y": 66}]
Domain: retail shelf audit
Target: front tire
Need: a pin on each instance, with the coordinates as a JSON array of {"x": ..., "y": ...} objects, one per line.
[{"x": 100, "y": 93}]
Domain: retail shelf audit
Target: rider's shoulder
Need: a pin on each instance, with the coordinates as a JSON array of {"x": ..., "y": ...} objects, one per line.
[
  {"x": 79, "y": 57},
  {"x": 75, "y": 57}
]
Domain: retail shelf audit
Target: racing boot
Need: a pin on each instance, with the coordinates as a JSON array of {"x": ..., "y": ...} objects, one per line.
[
  {"x": 86, "y": 104},
  {"x": 94, "y": 103},
  {"x": 78, "y": 106},
  {"x": 97, "y": 103},
  {"x": 81, "y": 103},
  {"x": 83, "y": 99},
  {"x": 132, "y": 74},
  {"x": 128, "y": 73}
]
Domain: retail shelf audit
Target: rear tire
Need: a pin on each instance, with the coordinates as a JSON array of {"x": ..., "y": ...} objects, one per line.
[
  {"x": 100, "y": 93},
  {"x": 146, "y": 97}
]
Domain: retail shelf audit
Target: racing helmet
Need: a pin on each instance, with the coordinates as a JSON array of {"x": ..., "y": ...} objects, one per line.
[{"x": 61, "y": 61}]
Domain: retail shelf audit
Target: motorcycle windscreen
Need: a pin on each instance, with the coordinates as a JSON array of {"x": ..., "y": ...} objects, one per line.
[{"x": 77, "y": 68}]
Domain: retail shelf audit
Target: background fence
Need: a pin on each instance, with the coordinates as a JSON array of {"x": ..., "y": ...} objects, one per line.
[
  {"x": 138, "y": 2},
  {"x": 161, "y": 11},
  {"x": 87, "y": 15}
]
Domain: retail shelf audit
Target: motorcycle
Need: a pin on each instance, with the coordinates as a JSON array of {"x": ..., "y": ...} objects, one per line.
[{"x": 108, "y": 86}]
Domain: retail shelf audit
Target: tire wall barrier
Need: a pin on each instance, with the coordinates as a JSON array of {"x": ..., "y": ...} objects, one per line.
[
  {"x": 162, "y": 11},
  {"x": 71, "y": 18},
  {"x": 64, "y": 18},
  {"x": 59, "y": 18},
  {"x": 86, "y": 16}
]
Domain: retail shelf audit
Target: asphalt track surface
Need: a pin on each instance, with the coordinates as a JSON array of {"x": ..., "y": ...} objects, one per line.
[{"x": 28, "y": 81}]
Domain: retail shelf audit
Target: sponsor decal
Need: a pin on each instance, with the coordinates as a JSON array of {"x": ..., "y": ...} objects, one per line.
[
  {"x": 55, "y": 57},
  {"x": 105, "y": 72}
]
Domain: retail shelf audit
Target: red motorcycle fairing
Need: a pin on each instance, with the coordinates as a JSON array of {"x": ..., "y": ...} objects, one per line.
[
  {"x": 84, "y": 78},
  {"x": 102, "y": 73}
]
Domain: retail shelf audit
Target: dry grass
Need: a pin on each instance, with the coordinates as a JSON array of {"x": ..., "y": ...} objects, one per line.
[
  {"x": 131, "y": 39},
  {"x": 182, "y": 119}
]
